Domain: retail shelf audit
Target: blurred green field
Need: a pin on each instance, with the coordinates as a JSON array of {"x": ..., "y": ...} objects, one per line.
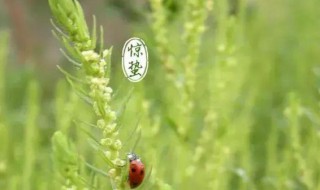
[{"x": 230, "y": 100}]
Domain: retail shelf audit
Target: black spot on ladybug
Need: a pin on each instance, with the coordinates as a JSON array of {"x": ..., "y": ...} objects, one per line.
[
  {"x": 133, "y": 170},
  {"x": 134, "y": 185},
  {"x": 141, "y": 172}
]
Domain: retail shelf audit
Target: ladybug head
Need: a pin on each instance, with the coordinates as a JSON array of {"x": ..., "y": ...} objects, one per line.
[{"x": 132, "y": 157}]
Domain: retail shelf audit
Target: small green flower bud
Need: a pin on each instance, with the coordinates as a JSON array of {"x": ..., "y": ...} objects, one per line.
[
  {"x": 114, "y": 155},
  {"x": 112, "y": 173},
  {"x": 101, "y": 87},
  {"x": 119, "y": 162},
  {"x": 106, "y": 141},
  {"x": 101, "y": 124},
  {"x": 108, "y": 90},
  {"x": 102, "y": 63},
  {"x": 107, "y": 97},
  {"x": 115, "y": 134},
  {"x": 90, "y": 55},
  {"x": 88, "y": 43},
  {"x": 117, "y": 180},
  {"x": 101, "y": 70},
  {"x": 112, "y": 115},
  {"x": 107, "y": 154},
  {"x": 111, "y": 127},
  {"x": 117, "y": 144},
  {"x": 94, "y": 80},
  {"x": 94, "y": 67},
  {"x": 96, "y": 108},
  {"x": 105, "y": 81},
  {"x": 105, "y": 53}
]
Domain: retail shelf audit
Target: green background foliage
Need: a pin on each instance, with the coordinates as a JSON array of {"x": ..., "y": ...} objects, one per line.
[{"x": 230, "y": 100}]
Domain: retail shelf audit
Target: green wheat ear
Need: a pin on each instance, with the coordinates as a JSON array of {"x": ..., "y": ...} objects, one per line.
[
  {"x": 66, "y": 161},
  {"x": 72, "y": 31}
]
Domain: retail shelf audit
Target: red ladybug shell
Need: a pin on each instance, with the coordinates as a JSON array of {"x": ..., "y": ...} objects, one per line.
[{"x": 136, "y": 172}]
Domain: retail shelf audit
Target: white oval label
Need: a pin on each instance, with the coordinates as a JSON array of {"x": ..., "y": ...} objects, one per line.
[{"x": 135, "y": 59}]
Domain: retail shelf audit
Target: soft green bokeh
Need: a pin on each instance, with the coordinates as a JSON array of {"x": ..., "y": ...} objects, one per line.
[{"x": 238, "y": 109}]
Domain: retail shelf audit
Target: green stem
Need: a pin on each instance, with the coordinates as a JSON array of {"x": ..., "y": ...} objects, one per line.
[{"x": 30, "y": 135}]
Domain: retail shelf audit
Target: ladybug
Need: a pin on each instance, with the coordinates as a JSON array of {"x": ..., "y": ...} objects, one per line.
[{"x": 136, "y": 171}]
